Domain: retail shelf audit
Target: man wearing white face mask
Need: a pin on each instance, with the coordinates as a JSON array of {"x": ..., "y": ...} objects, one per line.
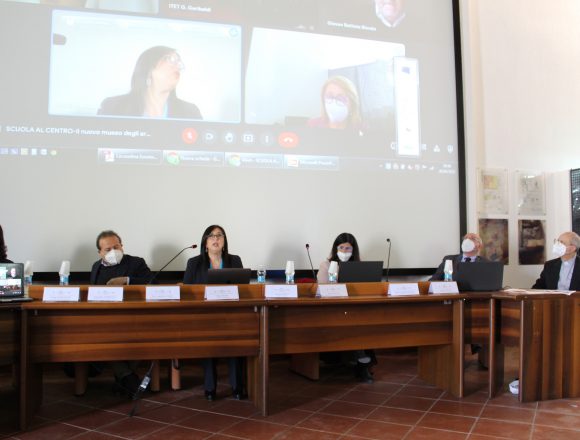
[
  {"x": 470, "y": 247},
  {"x": 563, "y": 272},
  {"x": 118, "y": 268},
  {"x": 115, "y": 267}
]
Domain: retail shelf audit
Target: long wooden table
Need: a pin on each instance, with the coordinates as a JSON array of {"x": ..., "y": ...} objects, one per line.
[
  {"x": 138, "y": 330},
  {"x": 370, "y": 319}
]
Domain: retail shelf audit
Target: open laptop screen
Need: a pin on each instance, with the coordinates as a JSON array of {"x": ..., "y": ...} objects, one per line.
[
  {"x": 360, "y": 271},
  {"x": 229, "y": 276},
  {"x": 11, "y": 280},
  {"x": 485, "y": 276}
]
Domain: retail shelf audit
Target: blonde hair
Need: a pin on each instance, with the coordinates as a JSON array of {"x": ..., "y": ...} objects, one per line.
[{"x": 354, "y": 118}]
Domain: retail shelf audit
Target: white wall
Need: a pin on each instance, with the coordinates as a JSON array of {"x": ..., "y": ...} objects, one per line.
[{"x": 522, "y": 96}]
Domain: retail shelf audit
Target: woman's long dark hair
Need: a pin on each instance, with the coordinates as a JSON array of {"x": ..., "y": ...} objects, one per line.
[
  {"x": 345, "y": 237},
  {"x": 203, "y": 248},
  {"x": 3, "y": 248},
  {"x": 146, "y": 62}
]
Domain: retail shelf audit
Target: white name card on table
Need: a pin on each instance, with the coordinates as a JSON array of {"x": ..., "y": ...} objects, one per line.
[
  {"x": 217, "y": 293},
  {"x": 61, "y": 294},
  {"x": 105, "y": 294},
  {"x": 162, "y": 293},
  {"x": 332, "y": 291},
  {"x": 403, "y": 289},
  {"x": 443, "y": 287},
  {"x": 281, "y": 291}
]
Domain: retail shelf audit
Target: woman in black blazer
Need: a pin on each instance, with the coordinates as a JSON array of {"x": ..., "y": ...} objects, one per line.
[{"x": 214, "y": 255}]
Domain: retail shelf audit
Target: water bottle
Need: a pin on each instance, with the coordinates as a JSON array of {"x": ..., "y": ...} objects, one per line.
[
  {"x": 333, "y": 272},
  {"x": 261, "y": 274},
  {"x": 27, "y": 283},
  {"x": 290, "y": 272},
  {"x": 64, "y": 273},
  {"x": 448, "y": 271}
]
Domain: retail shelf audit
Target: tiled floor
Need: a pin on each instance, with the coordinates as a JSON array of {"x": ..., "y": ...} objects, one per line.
[{"x": 396, "y": 406}]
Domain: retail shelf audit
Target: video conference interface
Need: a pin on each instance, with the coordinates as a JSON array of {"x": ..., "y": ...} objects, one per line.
[{"x": 259, "y": 83}]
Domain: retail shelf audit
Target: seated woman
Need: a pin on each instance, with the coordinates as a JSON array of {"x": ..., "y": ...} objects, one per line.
[
  {"x": 345, "y": 248},
  {"x": 214, "y": 255}
]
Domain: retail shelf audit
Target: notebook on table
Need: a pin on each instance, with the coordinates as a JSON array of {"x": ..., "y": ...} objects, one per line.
[{"x": 12, "y": 283}]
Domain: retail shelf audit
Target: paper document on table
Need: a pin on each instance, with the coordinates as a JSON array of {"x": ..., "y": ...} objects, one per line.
[{"x": 538, "y": 291}]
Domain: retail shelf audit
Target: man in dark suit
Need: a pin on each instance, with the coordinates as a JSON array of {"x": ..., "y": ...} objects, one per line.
[
  {"x": 117, "y": 268},
  {"x": 471, "y": 247},
  {"x": 563, "y": 272}
]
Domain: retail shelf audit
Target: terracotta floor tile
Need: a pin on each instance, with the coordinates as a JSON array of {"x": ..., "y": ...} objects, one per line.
[
  {"x": 561, "y": 405},
  {"x": 477, "y": 397},
  {"x": 177, "y": 433},
  {"x": 210, "y": 422},
  {"x": 379, "y": 430},
  {"x": 132, "y": 428},
  {"x": 485, "y": 437},
  {"x": 379, "y": 387},
  {"x": 307, "y": 434},
  {"x": 447, "y": 422},
  {"x": 407, "y": 402},
  {"x": 420, "y": 433},
  {"x": 255, "y": 430},
  {"x": 328, "y": 423},
  {"x": 551, "y": 433},
  {"x": 508, "y": 399},
  {"x": 559, "y": 420},
  {"x": 397, "y": 378},
  {"x": 288, "y": 417},
  {"x": 94, "y": 435},
  {"x": 367, "y": 397},
  {"x": 237, "y": 408},
  {"x": 457, "y": 408},
  {"x": 508, "y": 414},
  {"x": 396, "y": 415},
  {"x": 417, "y": 391},
  {"x": 503, "y": 429},
  {"x": 168, "y": 414},
  {"x": 94, "y": 419},
  {"x": 347, "y": 409},
  {"x": 54, "y": 431}
]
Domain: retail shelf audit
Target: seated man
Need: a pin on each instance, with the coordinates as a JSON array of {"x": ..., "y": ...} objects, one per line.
[
  {"x": 117, "y": 268},
  {"x": 563, "y": 272},
  {"x": 471, "y": 247}
]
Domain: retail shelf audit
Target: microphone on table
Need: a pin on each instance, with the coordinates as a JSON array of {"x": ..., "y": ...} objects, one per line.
[
  {"x": 388, "y": 259},
  {"x": 193, "y": 246},
  {"x": 310, "y": 259}
]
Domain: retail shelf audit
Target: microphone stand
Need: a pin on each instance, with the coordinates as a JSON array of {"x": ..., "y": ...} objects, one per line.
[
  {"x": 388, "y": 259},
  {"x": 147, "y": 378},
  {"x": 310, "y": 259}
]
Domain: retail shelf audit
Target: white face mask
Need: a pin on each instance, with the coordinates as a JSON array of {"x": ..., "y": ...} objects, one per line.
[
  {"x": 337, "y": 112},
  {"x": 344, "y": 256},
  {"x": 559, "y": 249},
  {"x": 114, "y": 257},
  {"x": 468, "y": 245}
]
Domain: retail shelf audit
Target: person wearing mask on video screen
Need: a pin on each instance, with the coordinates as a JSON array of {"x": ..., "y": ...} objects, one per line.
[
  {"x": 563, "y": 272},
  {"x": 345, "y": 248},
  {"x": 3, "y": 249},
  {"x": 214, "y": 254},
  {"x": 471, "y": 246},
  {"x": 340, "y": 105},
  {"x": 155, "y": 77}
]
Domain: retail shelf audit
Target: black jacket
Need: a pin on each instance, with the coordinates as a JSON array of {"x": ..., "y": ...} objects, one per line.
[
  {"x": 551, "y": 274},
  {"x": 196, "y": 273},
  {"x": 133, "y": 267}
]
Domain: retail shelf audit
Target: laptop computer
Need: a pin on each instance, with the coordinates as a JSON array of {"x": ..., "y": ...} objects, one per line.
[
  {"x": 12, "y": 282},
  {"x": 484, "y": 276},
  {"x": 360, "y": 271},
  {"x": 229, "y": 276}
]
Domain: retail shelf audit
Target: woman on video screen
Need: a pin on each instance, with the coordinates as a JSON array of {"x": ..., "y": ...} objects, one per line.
[
  {"x": 340, "y": 105},
  {"x": 155, "y": 77}
]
